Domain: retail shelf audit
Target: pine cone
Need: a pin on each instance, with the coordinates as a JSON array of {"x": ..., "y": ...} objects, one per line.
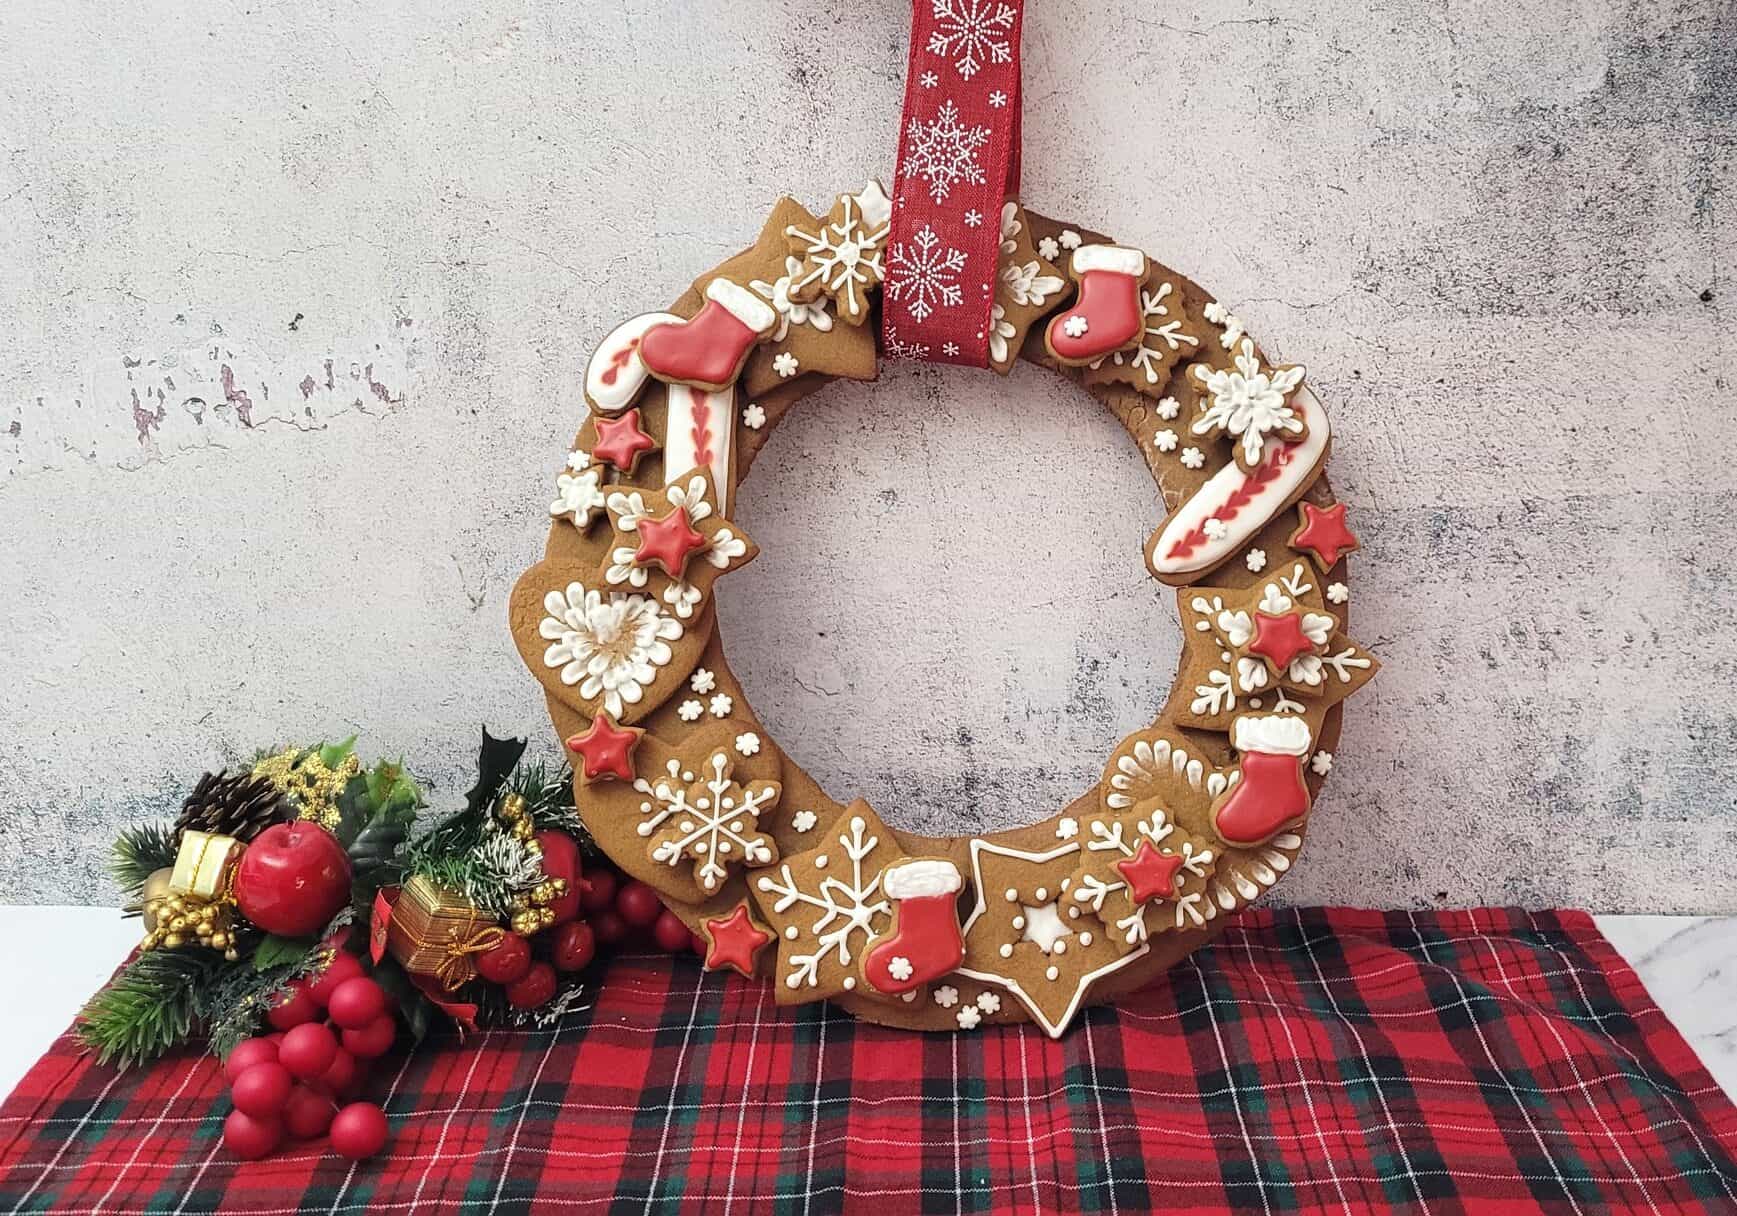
[{"x": 241, "y": 806}]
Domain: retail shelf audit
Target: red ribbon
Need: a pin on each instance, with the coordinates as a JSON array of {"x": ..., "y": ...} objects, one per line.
[{"x": 958, "y": 162}]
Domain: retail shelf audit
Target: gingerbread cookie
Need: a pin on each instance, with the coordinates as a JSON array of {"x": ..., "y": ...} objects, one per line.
[{"x": 1195, "y": 815}]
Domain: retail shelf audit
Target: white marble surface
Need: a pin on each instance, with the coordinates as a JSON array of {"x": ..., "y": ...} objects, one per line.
[{"x": 1689, "y": 965}]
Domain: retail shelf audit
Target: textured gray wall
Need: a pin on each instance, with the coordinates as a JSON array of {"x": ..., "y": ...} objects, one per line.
[{"x": 1499, "y": 234}]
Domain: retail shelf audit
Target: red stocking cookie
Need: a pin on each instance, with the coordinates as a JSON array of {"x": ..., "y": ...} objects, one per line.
[
  {"x": 708, "y": 351},
  {"x": 1271, "y": 792},
  {"x": 1106, "y": 317},
  {"x": 924, "y": 942}
]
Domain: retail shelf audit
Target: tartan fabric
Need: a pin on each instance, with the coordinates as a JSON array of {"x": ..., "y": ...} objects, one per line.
[{"x": 1314, "y": 1061}]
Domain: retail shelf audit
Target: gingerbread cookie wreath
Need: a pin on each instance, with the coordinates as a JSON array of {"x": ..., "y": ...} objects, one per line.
[{"x": 1196, "y": 815}]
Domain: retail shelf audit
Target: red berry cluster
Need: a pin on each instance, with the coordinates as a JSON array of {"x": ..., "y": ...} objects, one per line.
[
  {"x": 619, "y": 907},
  {"x": 291, "y": 1083}
]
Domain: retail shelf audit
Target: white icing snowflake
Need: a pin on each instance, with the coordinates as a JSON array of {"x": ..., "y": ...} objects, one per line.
[
  {"x": 897, "y": 348},
  {"x": 1067, "y": 827},
  {"x": 924, "y": 274},
  {"x": 946, "y": 996},
  {"x": 579, "y": 495},
  {"x": 943, "y": 152},
  {"x": 968, "y": 1017},
  {"x": 1168, "y": 408},
  {"x": 972, "y": 34},
  {"x": 579, "y": 460},
  {"x": 998, "y": 99},
  {"x": 610, "y": 646},
  {"x": 804, "y": 821},
  {"x": 1215, "y": 528},
  {"x": 712, "y": 819},
  {"x": 899, "y": 967},
  {"x": 1338, "y": 593},
  {"x": 784, "y": 363},
  {"x": 702, "y": 680},
  {"x": 846, "y": 256},
  {"x": 1193, "y": 458},
  {"x": 1076, "y": 326},
  {"x": 847, "y": 906},
  {"x": 1165, "y": 440},
  {"x": 1249, "y": 403},
  {"x": 1027, "y": 285},
  {"x": 1256, "y": 560},
  {"x": 1070, "y": 239},
  {"x": 1048, "y": 250},
  {"x": 690, "y": 710},
  {"x": 988, "y": 1002},
  {"x": 748, "y": 743},
  {"x": 1322, "y": 763},
  {"x": 754, "y": 417},
  {"x": 1001, "y": 332},
  {"x": 722, "y": 705},
  {"x": 1232, "y": 324},
  {"x": 811, "y": 313},
  {"x": 1158, "y": 338}
]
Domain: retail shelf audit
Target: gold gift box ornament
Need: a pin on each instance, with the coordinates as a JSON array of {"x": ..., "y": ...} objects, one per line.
[
  {"x": 205, "y": 864},
  {"x": 190, "y": 903},
  {"x": 435, "y": 931}
]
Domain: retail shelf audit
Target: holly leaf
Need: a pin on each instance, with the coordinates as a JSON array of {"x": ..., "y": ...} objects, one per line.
[
  {"x": 274, "y": 951},
  {"x": 394, "y": 794},
  {"x": 494, "y": 763},
  {"x": 334, "y": 754}
]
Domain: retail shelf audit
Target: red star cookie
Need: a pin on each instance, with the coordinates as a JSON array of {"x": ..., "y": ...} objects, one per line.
[
  {"x": 622, "y": 441},
  {"x": 669, "y": 542},
  {"x": 1279, "y": 639},
  {"x": 1150, "y": 874},
  {"x": 606, "y": 751},
  {"x": 734, "y": 941},
  {"x": 1323, "y": 534}
]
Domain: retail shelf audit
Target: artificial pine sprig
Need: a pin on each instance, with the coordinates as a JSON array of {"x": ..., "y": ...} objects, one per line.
[
  {"x": 139, "y": 852},
  {"x": 153, "y": 1006}
]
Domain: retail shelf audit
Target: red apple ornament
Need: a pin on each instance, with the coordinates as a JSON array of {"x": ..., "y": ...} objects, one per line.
[{"x": 293, "y": 879}]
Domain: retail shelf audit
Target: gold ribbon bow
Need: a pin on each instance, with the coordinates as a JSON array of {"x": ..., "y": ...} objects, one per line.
[{"x": 455, "y": 967}]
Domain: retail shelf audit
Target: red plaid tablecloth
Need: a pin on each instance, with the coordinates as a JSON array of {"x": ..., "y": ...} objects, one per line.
[{"x": 1322, "y": 1060}]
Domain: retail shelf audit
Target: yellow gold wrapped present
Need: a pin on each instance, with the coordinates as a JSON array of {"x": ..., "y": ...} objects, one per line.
[
  {"x": 437, "y": 932},
  {"x": 205, "y": 864}
]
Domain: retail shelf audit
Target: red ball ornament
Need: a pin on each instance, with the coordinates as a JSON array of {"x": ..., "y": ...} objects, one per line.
[
  {"x": 561, "y": 860},
  {"x": 609, "y": 927},
  {"x": 307, "y": 1114},
  {"x": 344, "y": 1076},
  {"x": 292, "y": 1007},
  {"x": 356, "y": 1002},
  {"x": 262, "y": 1090},
  {"x": 293, "y": 879},
  {"x": 359, "y": 1130},
  {"x": 575, "y": 945},
  {"x": 344, "y": 966},
  {"x": 600, "y": 893},
  {"x": 251, "y": 1138},
  {"x": 638, "y": 904},
  {"x": 506, "y": 961},
  {"x": 247, "y": 1053},
  {"x": 308, "y": 1050},
  {"x": 671, "y": 933},
  {"x": 537, "y": 986},
  {"x": 373, "y": 1040}
]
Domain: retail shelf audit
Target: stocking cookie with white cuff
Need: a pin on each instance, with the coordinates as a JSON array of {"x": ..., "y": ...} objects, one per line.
[
  {"x": 708, "y": 350},
  {"x": 1106, "y": 316},
  {"x": 923, "y": 943}
]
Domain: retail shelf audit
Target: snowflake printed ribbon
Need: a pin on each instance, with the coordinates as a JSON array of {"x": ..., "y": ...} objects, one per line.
[{"x": 958, "y": 161}]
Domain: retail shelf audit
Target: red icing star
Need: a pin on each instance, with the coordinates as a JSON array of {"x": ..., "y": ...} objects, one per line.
[
  {"x": 622, "y": 441},
  {"x": 668, "y": 542},
  {"x": 735, "y": 940},
  {"x": 1279, "y": 639},
  {"x": 1150, "y": 874},
  {"x": 1323, "y": 534},
  {"x": 605, "y": 751}
]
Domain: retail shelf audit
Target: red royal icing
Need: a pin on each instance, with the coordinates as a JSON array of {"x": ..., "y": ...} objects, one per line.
[
  {"x": 606, "y": 750},
  {"x": 1270, "y": 795},
  {"x": 622, "y": 441},
  {"x": 708, "y": 350},
  {"x": 1324, "y": 533},
  {"x": 734, "y": 941},
  {"x": 1245, "y": 493},
  {"x": 668, "y": 543},
  {"x": 1150, "y": 874},
  {"x": 1109, "y": 305},
  {"x": 1279, "y": 639},
  {"x": 617, "y": 361}
]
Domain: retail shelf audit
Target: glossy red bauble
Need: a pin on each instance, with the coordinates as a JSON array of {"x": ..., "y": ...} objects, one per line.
[
  {"x": 561, "y": 860},
  {"x": 600, "y": 892},
  {"x": 250, "y": 1138},
  {"x": 308, "y": 1050},
  {"x": 292, "y": 1007},
  {"x": 344, "y": 966},
  {"x": 609, "y": 927},
  {"x": 359, "y": 1130},
  {"x": 575, "y": 945},
  {"x": 262, "y": 1090},
  {"x": 506, "y": 961},
  {"x": 307, "y": 1114},
  {"x": 373, "y": 1040},
  {"x": 356, "y": 1002},
  {"x": 293, "y": 879},
  {"x": 670, "y": 933},
  {"x": 638, "y": 904},
  {"x": 247, "y": 1053},
  {"x": 537, "y": 986}
]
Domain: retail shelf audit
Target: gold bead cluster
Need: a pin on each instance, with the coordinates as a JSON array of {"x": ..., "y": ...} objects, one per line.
[
  {"x": 174, "y": 921},
  {"x": 313, "y": 784},
  {"x": 532, "y": 912}
]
